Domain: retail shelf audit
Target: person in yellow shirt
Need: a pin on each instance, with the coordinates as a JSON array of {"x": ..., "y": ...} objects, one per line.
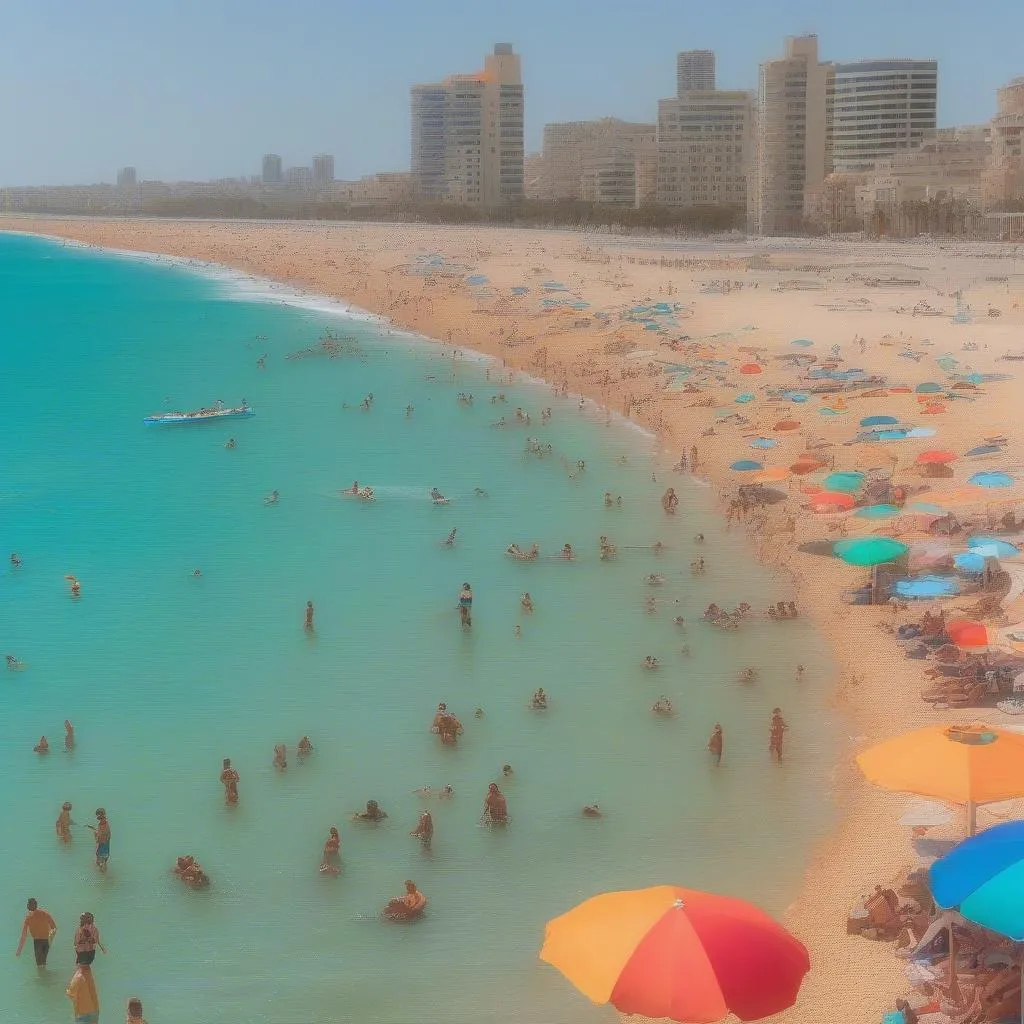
[
  {"x": 42, "y": 928},
  {"x": 85, "y": 1000}
]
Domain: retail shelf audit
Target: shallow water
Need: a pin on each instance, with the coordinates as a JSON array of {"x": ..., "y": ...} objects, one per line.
[{"x": 164, "y": 674}]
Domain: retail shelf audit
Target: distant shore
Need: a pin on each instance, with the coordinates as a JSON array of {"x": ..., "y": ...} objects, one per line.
[{"x": 421, "y": 278}]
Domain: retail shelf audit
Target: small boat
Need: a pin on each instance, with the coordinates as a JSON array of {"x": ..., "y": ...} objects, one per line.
[{"x": 218, "y": 412}]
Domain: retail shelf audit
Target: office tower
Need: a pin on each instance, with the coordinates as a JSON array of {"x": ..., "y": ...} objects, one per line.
[
  {"x": 126, "y": 177},
  {"x": 575, "y": 150},
  {"x": 695, "y": 71},
  {"x": 467, "y": 134},
  {"x": 705, "y": 142},
  {"x": 298, "y": 177},
  {"x": 879, "y": 108},
  {"x": 272, "y": 169},
  {"x": 323, "y": 169},
  {"x": 791, "y": 138}
]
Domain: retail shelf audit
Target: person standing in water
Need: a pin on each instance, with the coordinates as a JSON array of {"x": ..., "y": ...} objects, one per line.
[
  {"x": 466, "y": 605},
  {"x": 670, "y": 501},
  {"x": 495, "y": 806},
  {"x": 63, "y": 824},
  {"x": 41, "y": 926},
  {"x": 776, "y": 731},
  {"x": 85, "y": 1000},
  {"x": 101, "y": 830},
  {"x": 716, "y": 744},
  {"x": 424, "y": 830},
  {"x": 310, "y": 611},
  {"x": 69, "y": 736},
  {"x": 229, "y": 778}
]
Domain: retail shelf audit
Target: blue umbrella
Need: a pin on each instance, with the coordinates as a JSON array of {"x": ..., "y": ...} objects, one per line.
[
  {"x": 794, "y": 396},
  {"x": 825, "y": 411},
  {"x": 992, "y": 546},
  {"x": 763, "y": 442},
  {"x": 991, "y": 480},
  {"x": 984, "y": 449},
  {"x": 969, "y": 561},
  {"x": 921, "y": 432},
  {"x": 877, "y": 512},
  {"x": 746, "y": 465},
  {"x": 929, "y": 387},
  {"x": 924, "y": 506},
  {"x": 846, "y": 482},
  {"x": 878, "y": 421},
  {"x": 803, "y": 342},
  {"x": 926, "y": 587},
  {"x": 891, "y": 435},
  {"x": 744, "y": 398}
]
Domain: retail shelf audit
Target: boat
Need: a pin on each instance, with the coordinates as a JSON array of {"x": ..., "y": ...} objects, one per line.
[{"x": 217, "y": 412}]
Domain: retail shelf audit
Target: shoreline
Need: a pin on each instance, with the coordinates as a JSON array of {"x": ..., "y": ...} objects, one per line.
[{"x": 876, "y": 700}]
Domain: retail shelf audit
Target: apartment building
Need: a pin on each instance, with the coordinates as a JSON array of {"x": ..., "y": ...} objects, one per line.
[
  {"x": 323, "y": 169},
  {"x": 467, "y": 134},
  {"x": 1004, "y": 177},
  {"x": 791, "y": 147},
  {"x": 880, "y": 107},
  {"x": 695, "y": 71},
  {"x": 273, "y": 173}
]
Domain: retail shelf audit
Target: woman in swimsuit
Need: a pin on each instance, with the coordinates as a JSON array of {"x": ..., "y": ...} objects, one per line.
[{"x": 87, "y": 938}]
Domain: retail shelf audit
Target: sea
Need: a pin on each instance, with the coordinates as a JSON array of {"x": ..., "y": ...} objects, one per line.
[{"x": 163, "y": 673}]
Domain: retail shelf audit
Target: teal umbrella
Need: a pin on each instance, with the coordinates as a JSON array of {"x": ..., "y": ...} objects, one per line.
[
  {"x": 845, "y": 482},
  {"x": 869, "y": 550},
  {"x": 878, "y": 512}
]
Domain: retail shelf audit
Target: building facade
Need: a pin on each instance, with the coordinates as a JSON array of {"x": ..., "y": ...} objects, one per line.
[
  {"x": 127, "y": 178},
  {"x": 272, "y": 169},
  {"x": 792, "y": 137},
  {"x": 467, "y": 134},
  {"x": 323, "y": 169},
  {"x": 1003, "y": 183},
  {"x": 880, "y": 107},
  {"x": 704, "y": 148},
  {"x": 695, "y": 71}
]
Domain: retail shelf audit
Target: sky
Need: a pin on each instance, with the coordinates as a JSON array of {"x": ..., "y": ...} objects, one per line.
[{"x": 200, "y": 89}]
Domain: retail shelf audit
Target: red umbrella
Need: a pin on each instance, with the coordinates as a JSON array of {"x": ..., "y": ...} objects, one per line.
[
  {"x": 967, "y": 633},
  {"x": 787, "y": 424},
  {"x": 677, "y": 954},
  {"x": 832, "y": 501},
  {"x": 750, "y": 368},
  {"x": 900, "y": 391},
  {"x": 803, "y": 467},
  {"x": 935, "y": 457},
  {"x": 931, "y": 410}
]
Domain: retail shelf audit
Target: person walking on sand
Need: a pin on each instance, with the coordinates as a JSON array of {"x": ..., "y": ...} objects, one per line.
[
  {"x": 716, "y": 744},
  {"x": 85, "y": 1000},
  {"x": 41, "y": 926},
  {"x": 101, "y": 830},
  {"x": 309, "y": 616},
  {"x": 229, "y": 780},
  {"x": 776, "y": 730}
]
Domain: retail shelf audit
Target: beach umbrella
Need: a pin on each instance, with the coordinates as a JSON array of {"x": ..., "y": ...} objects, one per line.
[
  {"x": 750, "y": 368},
  {"x": 991, "y": 480},
  {"x": 921, "y": 432},
  {"x": 992, "y": 547},
  {"x": 929, "y": 388},
  {"x": 831, "y": 501},
  {"x": 846, "y": 481},
  {"x": 878, "y": 512},
  {"x": 803, "y": 342},
  {"x": 932, "y": 410},
  {"x": 763, "y": 442},
  {"x": 868, "y": 551},
  {"x": 984, "y": 449},
  {"x": 677, "y": 954},
  {"x": 878, "y": 421},
  {"x": 794, "y": 396},
  {"x": 935, "y": 457},
  {"x": 744, "y": 398},
  {"x": 969, "y": 561},
  {"x": 772, "y": 475},
  {"x": 889, "y": 435},
  {"x": 925, "y": 588},
  {"x": 971, "y": 765},
  {"x": 804, "y": 466},
  {"x": 746, "y": 466},
  {"x": 926, "y": 508},
  {"x": 968, "y": 633},
  {"x": 787, "y": 425}
]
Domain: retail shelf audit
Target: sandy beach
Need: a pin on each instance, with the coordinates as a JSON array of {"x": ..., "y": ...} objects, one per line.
[{"x": 560, "y": 306}]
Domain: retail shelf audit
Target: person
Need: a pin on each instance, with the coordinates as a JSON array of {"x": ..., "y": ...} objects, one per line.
[
  {"x": 15, "y": 560},
  {"x": 424, "y": 830},
  {"x": 650, "y": 662},
  {"x": 191, "y": 873},
  {"x": 748, "y": 675},
  {"x": 41, "y": 926},
  {"x": 310, "y": 611},
  {"x": 280, "y": 757},
  {"x": 663, "y": 706},
  {"x": 609, "y": 501},
  {"x": 495, "y": 806},
  {"x": 539, "y": 701},
  {"x": 437, "y": 497},
  {"x": 43, "y": 746},
  {"x": 479, "y": 492},
  {"x": 408, "y": 411},
  {"x": 85, "y": 1000},
  {"x": 448, "y": 727},
  {"x": 449, "y": 542},
  {"x": 229, "y": 778},
  {"x": 699, "y": 539},
  {"x": 196, "y": 573},
  {"x": 670, "y": 501},
  {"x": 592, "y": 811},
  {"x": 87, "y": 939},
  {"x": 76, "y": 587},
  {"x": 101, "y": 830},
  {"x": 13, "y": 665},
  {"x": 330, "y": 861},
  {"x": 230, "y": 444},
  {"x": 506, "y": 771},
  {"x": 776, "y": 730},
  {"x": 63, "y": 824},
  {"x": 526, "y": 602},
  {"x": 133, "y": 1012},
  {"x": 305, "y": 748},
  {"x": 567, "y": 552},
  {"x": 272, "y": 498},
  {"x": 373, "y": 812},
  {"x": 405, "y": 908},
  {"x": 69, "y": 735},
  {"x": 466, "y": 605},
  {"x": 800, "y": 673},
  {"x": 716, "y": 744}
]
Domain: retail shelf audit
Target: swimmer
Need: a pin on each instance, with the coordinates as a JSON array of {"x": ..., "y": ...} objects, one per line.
[
  {"x": 76, "y": 586},
  {"x": 437, "y": 497},
  {"x": 407, "y": 907},
  {"x": 196, "y": 573},
  {"x": 517, "y": 632},
  {"x": 670, "y": 501},
  {"x": 655, "y": 579},
  {"x": 280, "y": 757},
  {"x": 478, "y": 713},
  {"x": 373, "y": 812},
  {"x": 64, "y": 823},
  {"x": 304, "y": 749},
  {"x": 355, "y": 488},
  {"x": 133, "y": 1008},
  {"x": 190, "y": 872},
  {"x": 479, "y": 492},
  {"x": 449, "y": 541},
  {"x": 367, "y": 401},
  {"x": 609, "y": 501},
  {"x": 230, "y": 443},
  {"x": 309, "y": 616},
  {"x": 663, "y": 706},
  {"x": 69, "y": 735},
  {"x": 567, "y": 552},
  {"x": 13, "y": 665},
  {"x": 446, "y": 793},
  {"x": 526, "y": 602},
  {"x": 607, "y": 549},
  {"x": 448, "y": 727},
  {"x": 650, "y": 662},
  {"x": 592, "y": 811},
  {"x": 330, "y": 859},
  {"x": 15, "y": 560},
  {"x": 229, "y": 778},
  {"x": 658, "y": 548},
  {"x": 680, "y": 621},
  {"x": 699, "y": 539},
  {"x": 685, "y": 650},
  {"x": 800, "y": 673},
  {"x": 466, "y": 605},
  {"x": 271, "y": 498},
  {"x": 716, "y": 744},
  {"x": 495, "y": 806},
  {"x": 539, "y": 701},
  {"x": 748, "y": 675},
  {"x": 424, "y": 830},
  {"x": 408, "y": 411},
  {"x": 650, "y": 605},
  {"x": 506, "y": 771},
  {"x": 43, "y": 746}
]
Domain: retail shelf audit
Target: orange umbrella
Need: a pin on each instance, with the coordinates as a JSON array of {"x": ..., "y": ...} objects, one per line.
[
  {"x": 787, "y": 424},
  {"x": 773, "y": 474},
  {"x": 935, "y": 456},
  {"x": 967, "y": 633},
  {"x": 677, "y": 954},
  {"x": 802, "y": 467},
  {"x": 974, "y": 764},
  {"x": 931, "y": 410},
  {"x": 832, "y": 501},
  {"x": 750, "y": 368}
]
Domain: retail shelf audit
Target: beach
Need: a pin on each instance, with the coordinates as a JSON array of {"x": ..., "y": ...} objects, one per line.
[{"x": 485, "y": 290}]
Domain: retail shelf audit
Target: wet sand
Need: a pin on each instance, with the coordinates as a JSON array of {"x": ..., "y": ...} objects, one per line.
[{"x": 417, "y": 277}]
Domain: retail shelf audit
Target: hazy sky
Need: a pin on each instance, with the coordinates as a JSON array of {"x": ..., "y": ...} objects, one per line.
[{"x": 202, "y": 88}]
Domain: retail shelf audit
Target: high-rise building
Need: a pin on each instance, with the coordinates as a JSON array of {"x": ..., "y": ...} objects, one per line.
[
  {"x": 298, "y": 177},
  {"x": 791, "y": 138},
  {"x": 705, "y": 146},
  {"x": 467, "y": 134},
  {"x": 323, "y": 169},
  {"x": 695, "y": 71},
  {"x": 126, "y": 177},
  {"x": 574, "y": 150},
  {"x": 272, "y": 169},
  {"x": 1004, "y": 177},
  {"x": 880, "y": 107}
]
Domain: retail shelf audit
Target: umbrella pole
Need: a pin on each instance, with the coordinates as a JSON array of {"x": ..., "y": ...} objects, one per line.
[{"x": 971, "y": 817}]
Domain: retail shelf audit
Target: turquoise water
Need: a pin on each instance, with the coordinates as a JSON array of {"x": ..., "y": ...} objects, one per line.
[{"x": 164, "y": 674}]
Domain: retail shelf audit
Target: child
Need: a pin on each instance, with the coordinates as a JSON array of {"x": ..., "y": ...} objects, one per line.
[{"x": 134, "y": 1015}]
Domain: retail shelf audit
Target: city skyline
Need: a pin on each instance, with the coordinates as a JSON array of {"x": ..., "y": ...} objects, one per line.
[{"x": 259, "y": 84}]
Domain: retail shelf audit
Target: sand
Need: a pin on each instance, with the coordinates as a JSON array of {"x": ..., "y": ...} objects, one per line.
[{"x": 815, "y": 290}]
